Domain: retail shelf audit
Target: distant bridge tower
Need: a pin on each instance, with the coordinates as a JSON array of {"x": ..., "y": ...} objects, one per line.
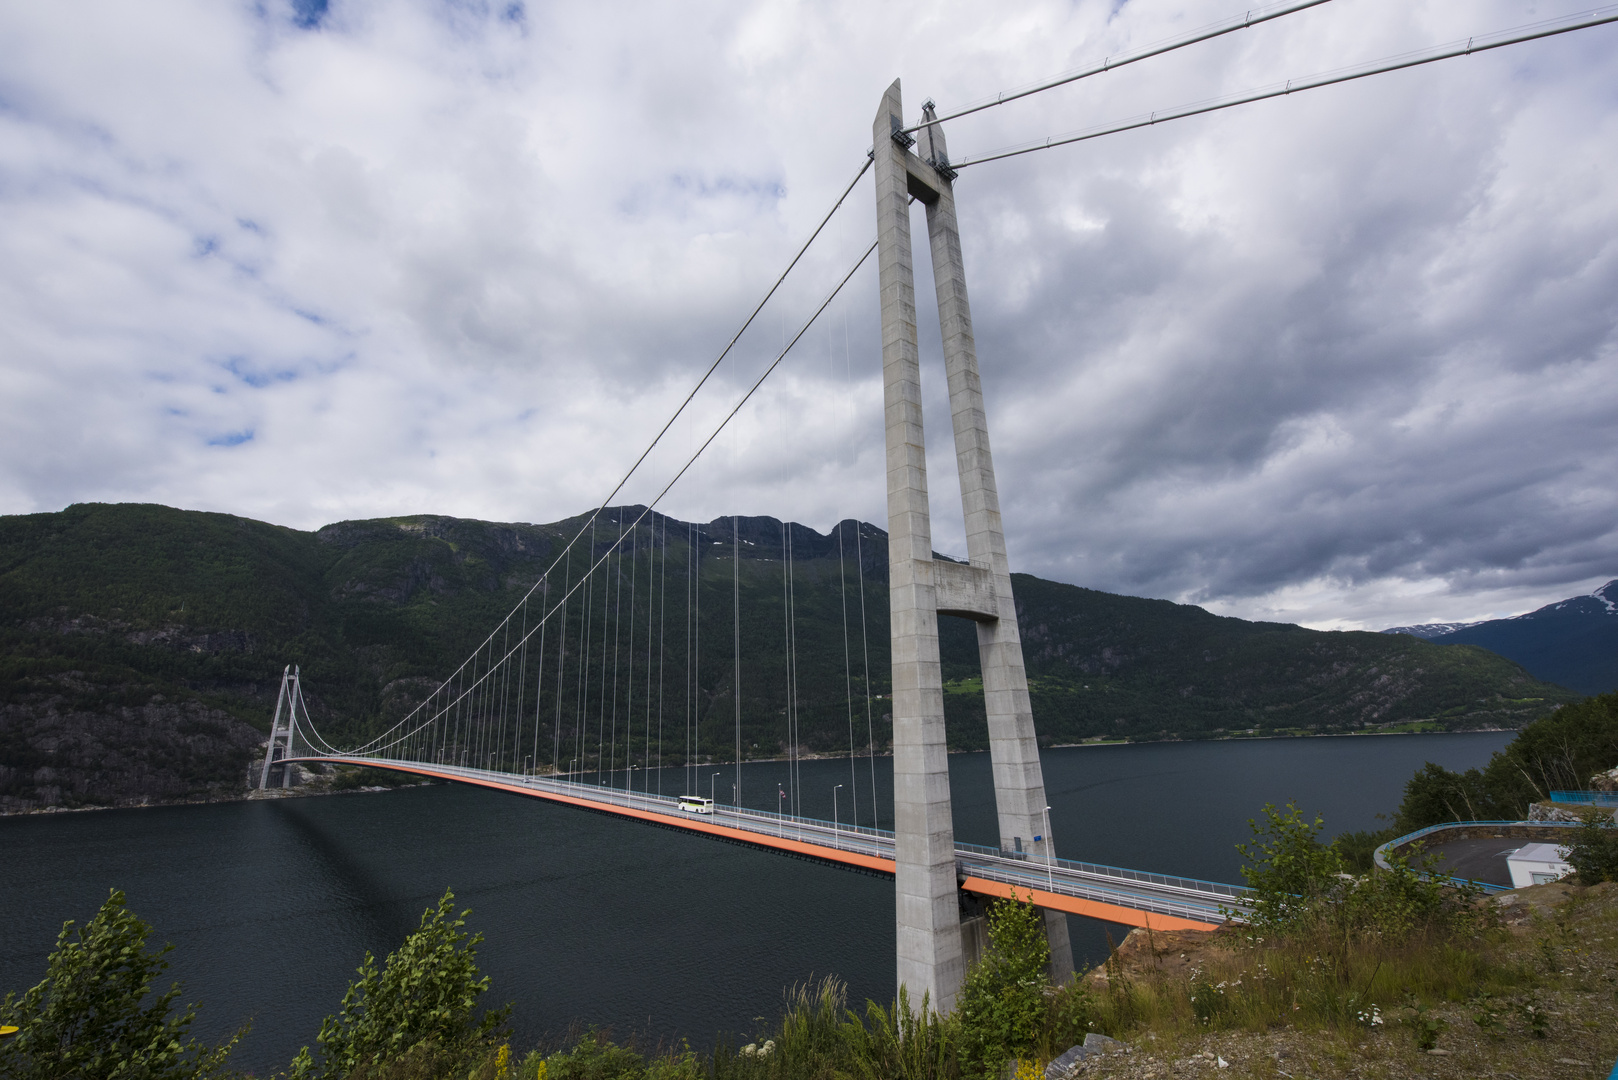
[
  {"x": 930, "y": 953},
  {"x": 290, "y": 700}
]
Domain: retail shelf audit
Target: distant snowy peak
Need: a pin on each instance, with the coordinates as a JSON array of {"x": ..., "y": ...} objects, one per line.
[
  {"x": 1604, "y": 601},
  {"x": 1429, "y": 630},
  {"x": 1596, "y": 603}
]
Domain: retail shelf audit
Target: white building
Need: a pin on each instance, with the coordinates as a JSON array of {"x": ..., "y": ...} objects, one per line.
[{"x": 1536, "y": 864}]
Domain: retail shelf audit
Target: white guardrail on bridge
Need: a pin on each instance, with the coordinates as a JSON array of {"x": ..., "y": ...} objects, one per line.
[{"x": 1162, "y": 894}]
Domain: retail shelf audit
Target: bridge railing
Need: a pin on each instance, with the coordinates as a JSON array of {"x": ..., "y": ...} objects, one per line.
[
  {"x": 1196, "y": 898},
  {"x": 1216, "y": 889},
  {"x": 1586, "y": 798},
  {"x": 1139, "y": 896},
  {"x": 1380, "y": 855}
]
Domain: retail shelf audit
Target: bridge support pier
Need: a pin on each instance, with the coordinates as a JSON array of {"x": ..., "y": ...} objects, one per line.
[{"x": 929, "y": 928}]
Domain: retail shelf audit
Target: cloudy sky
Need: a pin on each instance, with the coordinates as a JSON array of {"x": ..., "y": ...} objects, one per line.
[{"x": 1348, "y": 358}]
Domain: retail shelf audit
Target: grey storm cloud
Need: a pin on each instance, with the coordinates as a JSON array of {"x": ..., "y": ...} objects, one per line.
[{"x": 1346, "y": 358}]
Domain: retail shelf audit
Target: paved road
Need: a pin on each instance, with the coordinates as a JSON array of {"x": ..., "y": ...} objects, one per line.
[
  {"x": 1480, "y": 858},
  {"x": 1202, "y": 902}
]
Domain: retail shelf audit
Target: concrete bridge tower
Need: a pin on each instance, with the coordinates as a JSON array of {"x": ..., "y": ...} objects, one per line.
[{"x": 930, "y": 953}]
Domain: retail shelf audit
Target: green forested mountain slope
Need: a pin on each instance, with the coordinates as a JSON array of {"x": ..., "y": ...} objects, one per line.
[{"x": 141, "y": 646}]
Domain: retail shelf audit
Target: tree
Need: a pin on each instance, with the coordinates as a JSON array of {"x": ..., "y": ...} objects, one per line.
[
  {"x": 1435, "y": 794},
  {"x": 1001, "y": 1007},
  {"x": 1288, "y": 869},
  {"x": 424, "y": 1000},
  {"x": 1594, "y": 851},
  {"x": 86, "y": 1021},
  {"x": 1560, "y": 750}
]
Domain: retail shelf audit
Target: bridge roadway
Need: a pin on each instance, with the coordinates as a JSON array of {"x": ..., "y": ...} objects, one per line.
[{"x": 1129, "y": 897}]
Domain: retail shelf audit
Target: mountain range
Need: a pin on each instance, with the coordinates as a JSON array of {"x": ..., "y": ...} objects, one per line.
[
  {"x": 1573, "y": 642},
  {"x": 141, "y": 647}
]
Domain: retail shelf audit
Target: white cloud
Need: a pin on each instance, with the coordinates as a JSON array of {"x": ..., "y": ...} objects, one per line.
[{"x": 1346, "y": 357}]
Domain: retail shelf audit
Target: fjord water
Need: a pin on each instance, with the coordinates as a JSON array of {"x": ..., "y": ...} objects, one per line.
[{"x": 595, "y": 921}]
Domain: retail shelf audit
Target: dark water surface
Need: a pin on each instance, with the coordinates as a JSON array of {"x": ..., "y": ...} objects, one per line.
[{"x": 271, "y": 905}]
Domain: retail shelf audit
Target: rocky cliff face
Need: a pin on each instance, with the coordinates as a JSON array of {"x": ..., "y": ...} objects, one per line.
[{"x": 80, "y": 744}]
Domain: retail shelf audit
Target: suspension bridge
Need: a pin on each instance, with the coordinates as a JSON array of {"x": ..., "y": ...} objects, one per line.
[{"x": 574, "y": 677}]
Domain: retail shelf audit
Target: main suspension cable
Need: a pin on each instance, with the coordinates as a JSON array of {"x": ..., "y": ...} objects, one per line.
[
  {"x": 1113, "y": 63},
  {"x": 678, "y": 412},
  {"x": 588, "y": 575},
  {"x": 1480, "y": 43}
]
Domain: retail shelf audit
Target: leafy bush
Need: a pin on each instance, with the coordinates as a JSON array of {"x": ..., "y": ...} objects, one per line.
[
  {"x": 1002, "y": 1005},
  {"x": 1594, "y": 851},
  {"x": 1358, "y": 849},
  {"x": 1288, "y": 868},
  {"x": 421, "y": 1007},
  {"x": 87, "y": 1020},
  {"x": 596, "y": 1057},
  {"x": 1300, "y": 887}
]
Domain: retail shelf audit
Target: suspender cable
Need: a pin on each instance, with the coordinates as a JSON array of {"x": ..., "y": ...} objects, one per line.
[
  {"x": 794, "y": 785},
  {"x": 696, "y": 667},
  {"x": 662, "y": 653},
  {"x": 859, "y": 571},
  {"x": 561, "y": 670},
  {"x": 601, "y": 709},
  {"x": 651, "y": 580},
  {"x": 629, "y": 680},
  {"x": 505, "y": 696},
  {"x": 617, "y": 629},
  {"x": 580, "y": 722},
  {"x": 539, "y": 688},
  {"x": 690, "y": 559},
  {"x": 786, "y": 650},
  {"x": 1112, "y": 63},
  {"x": 736, "y": 681},
  {"x": 1481, "y": 43},
  {"x": 865, "y": 646},
  {"x": 848, "y": 672}
]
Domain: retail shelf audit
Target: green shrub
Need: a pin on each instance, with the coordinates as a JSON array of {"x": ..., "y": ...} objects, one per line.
[
  {"x": 1002, "y": 1007},
  {"x": 422, "y": 1003},
  {"x": 596, "y": 1057},
  {"x": 1288, "y": 868},
  {"x": 90, "y": 1018},
  {"x": 1358, "y": 849},
  {"x": 1593, "y": 853}
]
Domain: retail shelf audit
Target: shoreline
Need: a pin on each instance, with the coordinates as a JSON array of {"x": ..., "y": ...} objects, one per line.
[{"x": 253, "y": 795}]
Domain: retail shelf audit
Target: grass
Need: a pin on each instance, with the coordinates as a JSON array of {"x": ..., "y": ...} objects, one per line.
[
  {"x": 1308, "y": 983},
  {"x": 1530, "y": 1000},
  {"x": 1524, "y": 999}
]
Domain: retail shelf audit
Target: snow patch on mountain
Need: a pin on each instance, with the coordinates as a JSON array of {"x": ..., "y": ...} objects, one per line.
[{"x": 1429, "y": 631}]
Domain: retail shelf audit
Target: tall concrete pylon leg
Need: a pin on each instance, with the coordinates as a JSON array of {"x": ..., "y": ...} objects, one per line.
[
  {"x": 1019, "y": 783},
  {"x": 927, "y": 909},
  {"x": 286, "y": 703},
  {"x": 920, "y": 589}
]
